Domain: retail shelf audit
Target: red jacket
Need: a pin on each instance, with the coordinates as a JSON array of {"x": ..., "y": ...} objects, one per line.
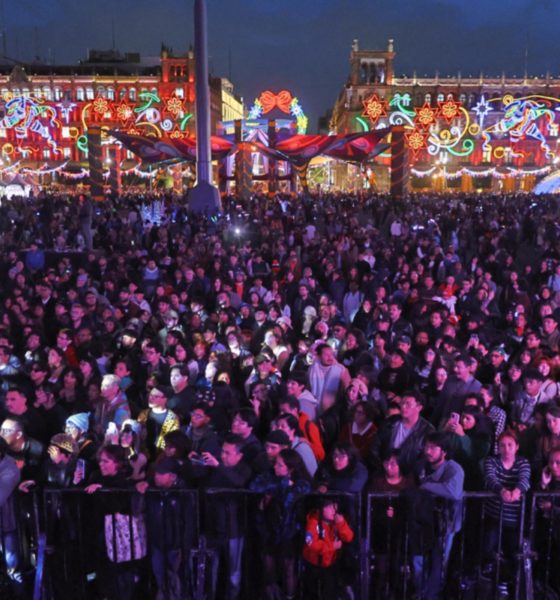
[
  {"x": 320, "y": 536},
  {"x": 312, "y": 435}
]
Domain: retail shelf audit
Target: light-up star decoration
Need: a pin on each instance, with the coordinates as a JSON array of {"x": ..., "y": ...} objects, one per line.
[
  {"x": 416, "y": 141},
  {"x": 174, "y": 105},
  {"x": 124, "y": 112},
  {"x": 425, "y": 116},
  {"x": 481, "y": 109},
  {"x": 449, "y": 109},
  {"x": 100, "y": 105},
  {"x": 374, "y": 108}
]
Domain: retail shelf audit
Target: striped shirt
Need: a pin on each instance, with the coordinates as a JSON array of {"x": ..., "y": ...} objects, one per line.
[{"x": 498, "y": 478}]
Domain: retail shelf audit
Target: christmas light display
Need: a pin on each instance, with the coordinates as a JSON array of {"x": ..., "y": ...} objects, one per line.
[
  {"x": 374, "y": 108},
  {"x": 285, "y": 102}
]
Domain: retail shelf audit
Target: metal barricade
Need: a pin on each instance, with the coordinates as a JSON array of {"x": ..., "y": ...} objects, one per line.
[
  {"x": 544, "y": 538},
  {"x": 486, "y": 555},
  {"x": 116, "y": 540}
]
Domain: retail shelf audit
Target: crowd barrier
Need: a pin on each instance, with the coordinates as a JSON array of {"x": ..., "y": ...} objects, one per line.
[{"x": 189, "y": 544}]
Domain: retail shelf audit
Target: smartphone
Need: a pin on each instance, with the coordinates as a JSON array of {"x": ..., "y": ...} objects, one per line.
[
  {"x": 198, "y": 460},
  {"x": 454, "y": 417},
  {"x": 80, "y": 472}
]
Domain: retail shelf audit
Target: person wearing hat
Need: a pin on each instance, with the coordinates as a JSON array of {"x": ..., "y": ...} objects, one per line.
[
  {"x": 265, "y": 372},
  {"x": 77, "y": 426},
  {"x": 210, "y": 335},
  {"x": 58, "y": 471},
  {"x": 276, "y": 441}
]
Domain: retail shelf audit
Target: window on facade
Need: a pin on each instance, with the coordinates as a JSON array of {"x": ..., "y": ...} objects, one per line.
[
  {"x": 463, "y": 98},
  {"x": 46, "y": 153},
  {"x": 440, "y": 97},
  {"x": 37, "y": 93},
  {"x": 122, "y": 93},
  {"x": 16, "y": 92},
  {"x": 428, "y": 98},
  {"x": 101, "y": 92},
  {"x": 2, "y": 132},
  {"x": 90, "y": 94},
  {"x": 110, "y": 93},
  {"x": 47, "y": 93},
  {"x": 26, "y": 92},
  {"x": 132, "y": 93},
  {"x": 57, "y": 94},
  {"x": 80, "y": 96},
  {"x": 66, "y": 132},
  {"x": 66, "y": 152},
  {"x": 179, "y": 92}
]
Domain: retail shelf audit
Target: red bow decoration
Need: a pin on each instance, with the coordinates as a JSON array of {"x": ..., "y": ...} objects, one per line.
[{"x": 282, "y": 100}]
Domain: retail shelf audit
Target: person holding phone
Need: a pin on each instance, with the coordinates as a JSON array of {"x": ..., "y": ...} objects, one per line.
[{"x": 326, "y": 531}]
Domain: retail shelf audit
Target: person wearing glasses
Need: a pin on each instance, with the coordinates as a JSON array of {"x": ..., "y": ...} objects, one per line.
[{"x": 157, "y": 420}]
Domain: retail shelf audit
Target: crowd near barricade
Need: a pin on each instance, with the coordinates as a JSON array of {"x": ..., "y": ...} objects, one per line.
[
  {"x": 323, "y": 396},
  {"x": 180, "y": 544}
]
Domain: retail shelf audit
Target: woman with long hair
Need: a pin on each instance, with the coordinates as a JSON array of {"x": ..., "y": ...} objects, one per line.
[{"x": 279, "y": 521}]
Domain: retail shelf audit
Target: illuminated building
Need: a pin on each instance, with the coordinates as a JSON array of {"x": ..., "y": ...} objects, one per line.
[
  {"x": 462, "y": 133},
  {"x": 46, "y": 110}
]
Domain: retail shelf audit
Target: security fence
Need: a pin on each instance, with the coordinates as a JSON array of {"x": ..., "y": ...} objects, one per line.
[{"x": 189, "y": 544}]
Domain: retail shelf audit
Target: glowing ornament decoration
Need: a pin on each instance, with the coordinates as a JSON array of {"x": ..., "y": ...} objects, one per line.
[
  {"x": 481, "y": 109},
  {"x": 124, "y": 112},
  {"x": 426, "y": 116},
  {"x": 174, "y": 106},
  {"x": 416, "y": 141},
  {"x": 374, "y": 108},
  {"x": 285, "y": 102},
  {"x": 65, "y": 108},
  {"x": 100, "y": 105},
  {"x": 449, "y": 110}
]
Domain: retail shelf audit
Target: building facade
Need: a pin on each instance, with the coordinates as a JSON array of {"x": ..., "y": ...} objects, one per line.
[
  {"x": 462, "y": 132},
  {"x": 46, "y": 111}
]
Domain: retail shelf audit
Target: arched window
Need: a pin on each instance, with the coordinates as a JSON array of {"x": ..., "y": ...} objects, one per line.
[
  {"x": 57, "y": 93},
  {"x": 80, "y": 96},
  {"x": 90, "y": 95},
  {"x": 132, "y": 94},
  {"x": 47, "y": 93},
  {"x": 428, "y": 98},
  {"x": 110, "y": 93},
  {"x": 440, "y": 97}
]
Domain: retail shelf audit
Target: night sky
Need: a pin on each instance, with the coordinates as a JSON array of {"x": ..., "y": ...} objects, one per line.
[{"x": 302, "y": 45}]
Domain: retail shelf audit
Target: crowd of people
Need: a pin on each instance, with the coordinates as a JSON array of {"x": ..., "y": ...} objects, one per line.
[{"x": 291, "y": 346}]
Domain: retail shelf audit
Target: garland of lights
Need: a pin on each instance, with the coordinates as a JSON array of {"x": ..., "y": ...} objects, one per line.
[{"x": 478, "y": 174}]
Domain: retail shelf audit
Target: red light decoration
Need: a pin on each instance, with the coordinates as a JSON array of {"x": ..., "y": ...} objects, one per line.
[
  {"x": 374, "y": 108},
  {"x": 174, "y": 105},
  {"x": 269, "y": 101},
  {"x": 426, "y": 116},
  {"x": 416, "y": 141},
  {"x": 124, "y": 112},
  {"x": 450, "y": 109},
  {"x": 100, "y": 105}
]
